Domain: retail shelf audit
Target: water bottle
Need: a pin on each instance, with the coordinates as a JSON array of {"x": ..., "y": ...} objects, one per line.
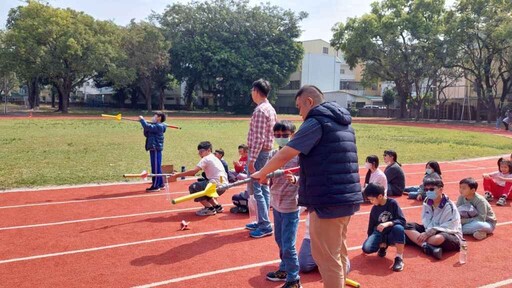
[
  {"x": 463, "y": 254},
  {"x": 182, "y": 170}
]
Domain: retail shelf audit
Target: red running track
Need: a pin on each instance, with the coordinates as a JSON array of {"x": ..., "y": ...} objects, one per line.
[{"x": 120, "y": 236}]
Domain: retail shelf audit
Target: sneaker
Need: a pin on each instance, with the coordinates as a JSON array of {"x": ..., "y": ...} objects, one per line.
[
  {"x": 152, "y": 189},
  {"x": 277, "y": 276},
  {"x": 251, "y": 226},
  {"x": 382, "y": 252},
  {"x": 437, "y": 252},
  {"x": 488, "y": 196},
  {"x": 218, "y": 208},
  {"x": 258, "y": 233},
  {"x": 398, "y": 265},
  {"x": 292, "y": 284},
  {"x": 502, "y": 201},
  {"x": 207, "y": 211},
  {"x": 238, "y": 209},
  {"x": 480, "y": 235}
]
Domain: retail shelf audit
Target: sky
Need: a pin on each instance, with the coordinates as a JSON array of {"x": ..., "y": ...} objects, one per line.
[{"x": 323, "y": 14}]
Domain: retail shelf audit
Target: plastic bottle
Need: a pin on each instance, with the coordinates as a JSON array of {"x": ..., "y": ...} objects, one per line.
[{"x": 463, "y": 254}]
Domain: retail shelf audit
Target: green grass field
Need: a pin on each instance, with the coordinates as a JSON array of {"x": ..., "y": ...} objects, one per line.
[{"x": 55, "y": 152}]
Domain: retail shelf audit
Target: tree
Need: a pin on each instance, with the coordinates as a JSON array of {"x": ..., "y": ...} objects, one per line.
[
  {"x": 222, "y": 46},
  {"x": 8, "y": 79},
  {"x": 65, "y": 46},
  {"x": 398, "y": 41},
  {"x": 147, "y": 54},
  {"x": 388, "y": 97},
  {"x": 479, "y": 32}
]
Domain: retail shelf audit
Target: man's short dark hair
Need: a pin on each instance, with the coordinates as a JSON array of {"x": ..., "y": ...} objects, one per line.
[
  {"x": 433, "y": 182},
  {"x": 470, "y": 182},
  {"x": 263, "y": 86},
  {"x": 308, "y": 89},
  {"x": 220, "y": 151},
  {"x": 205, "y": 145},
  {"x": 284, "y": 125},
  {"x": 373, "y": 190},
  {"x": 161, "y": 115}
]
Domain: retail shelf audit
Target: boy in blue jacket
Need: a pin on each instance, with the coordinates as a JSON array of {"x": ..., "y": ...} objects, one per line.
[{"x": 154, "y": 133}]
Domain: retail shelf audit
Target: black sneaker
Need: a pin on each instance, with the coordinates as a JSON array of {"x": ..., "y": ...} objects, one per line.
[
  {"x": 437, "y": 252},
  {"x": 292, "y": 284},
  {"x": 276, "y": 276},
  {"x": 238, "y": 209},
  {"x": 398, "y": 265},
  {"x": 152, "y": 189},
  {"x": 218, "y": 208},
  {"x": 382, "y": 252}
]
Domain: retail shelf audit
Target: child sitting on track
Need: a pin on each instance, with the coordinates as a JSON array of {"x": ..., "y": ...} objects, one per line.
[
  {"x": 374, "y": 174},
  {"x": 214, "y": 172},
  {"x": 286, "y": 214},
  {"x": 476, "y": 213},
  {"x": 499, "y": 184},
  {"x": 440, "y": 229},
  {"x": 386, "y": 226},
  {"x": 432, "y": 170}
]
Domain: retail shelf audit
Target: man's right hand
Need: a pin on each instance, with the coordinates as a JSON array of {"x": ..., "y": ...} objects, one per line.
[{"x": 251, "y": 168}]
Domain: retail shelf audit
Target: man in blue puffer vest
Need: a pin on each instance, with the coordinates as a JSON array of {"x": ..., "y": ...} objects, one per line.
[
  {"x": 154, "y": 133},
  {"x": 329, "y": 178}
]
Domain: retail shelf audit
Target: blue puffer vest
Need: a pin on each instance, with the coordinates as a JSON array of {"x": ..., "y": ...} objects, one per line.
[{"x": 329, "y": 174}]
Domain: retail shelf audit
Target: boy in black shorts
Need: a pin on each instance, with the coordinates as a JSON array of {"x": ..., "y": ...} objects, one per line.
[{"x": 441, "y": 229}]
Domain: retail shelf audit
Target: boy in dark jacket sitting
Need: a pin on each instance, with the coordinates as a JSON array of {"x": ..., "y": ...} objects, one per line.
[{"x": 386, "y": 226}]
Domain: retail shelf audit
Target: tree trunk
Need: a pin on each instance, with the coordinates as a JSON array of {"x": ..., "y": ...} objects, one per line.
[
  {"x": 146, "y": 92},
  {"x": 162, "y": 99},
  {"x": 189, "y": 89},
  {"x": 64, "y": 87},
  {"x": 478, "y": 86}
]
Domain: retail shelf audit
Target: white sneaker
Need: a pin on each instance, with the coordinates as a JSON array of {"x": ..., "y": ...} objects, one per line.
[
  {"x": 480, "y": 235},
  {"x": 488, "y": 196},
  {"x": 502, "y": 201},
  {"x": 206, "y": 212}
]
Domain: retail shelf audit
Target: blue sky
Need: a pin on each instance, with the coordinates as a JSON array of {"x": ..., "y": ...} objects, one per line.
[{"x": 323, "y": 14}]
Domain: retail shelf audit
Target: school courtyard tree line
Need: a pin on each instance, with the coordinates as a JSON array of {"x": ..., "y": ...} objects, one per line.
[
  {"x": 218, "y": 46},
  {"x": 221, "y": 46},
  {"x": 424, "y": 48}
]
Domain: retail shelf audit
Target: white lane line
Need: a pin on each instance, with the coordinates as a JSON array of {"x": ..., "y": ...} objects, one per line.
[
  {"x": 126, "y": 216},
  {"x": 221, "y": 271},
  {"x": 89, "y": 200},
  {"x": 117, "y": 245},
  {"x": 498, "y": 284},
  {"x": 154, "y": 240},
  {"x": 139, "y": 242},
  {"x": 97, "y": 219}
]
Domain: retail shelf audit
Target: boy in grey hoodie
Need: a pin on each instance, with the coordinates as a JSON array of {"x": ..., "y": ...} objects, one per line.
[{"x": 441, "y": 228}]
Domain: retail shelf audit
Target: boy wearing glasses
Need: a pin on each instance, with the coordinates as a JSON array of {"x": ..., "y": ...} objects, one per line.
[
  {"x": 283, "y": 198},
  {"x": 441, "y": 228},
  {"x": 214, "y": 173}
]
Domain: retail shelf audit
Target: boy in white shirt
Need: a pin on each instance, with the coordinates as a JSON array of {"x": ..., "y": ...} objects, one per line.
[{"x": 214, "y": 172}]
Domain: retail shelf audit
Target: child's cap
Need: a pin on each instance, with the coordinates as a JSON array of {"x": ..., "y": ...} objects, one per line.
[{"x": 373, "y": 190}]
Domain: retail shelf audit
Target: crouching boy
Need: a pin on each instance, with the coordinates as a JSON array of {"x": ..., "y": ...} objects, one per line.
[{"x": 386, "y": 226}]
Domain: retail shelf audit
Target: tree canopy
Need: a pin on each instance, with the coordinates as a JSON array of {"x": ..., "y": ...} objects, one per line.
[{"x": 222, "y": 46}]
